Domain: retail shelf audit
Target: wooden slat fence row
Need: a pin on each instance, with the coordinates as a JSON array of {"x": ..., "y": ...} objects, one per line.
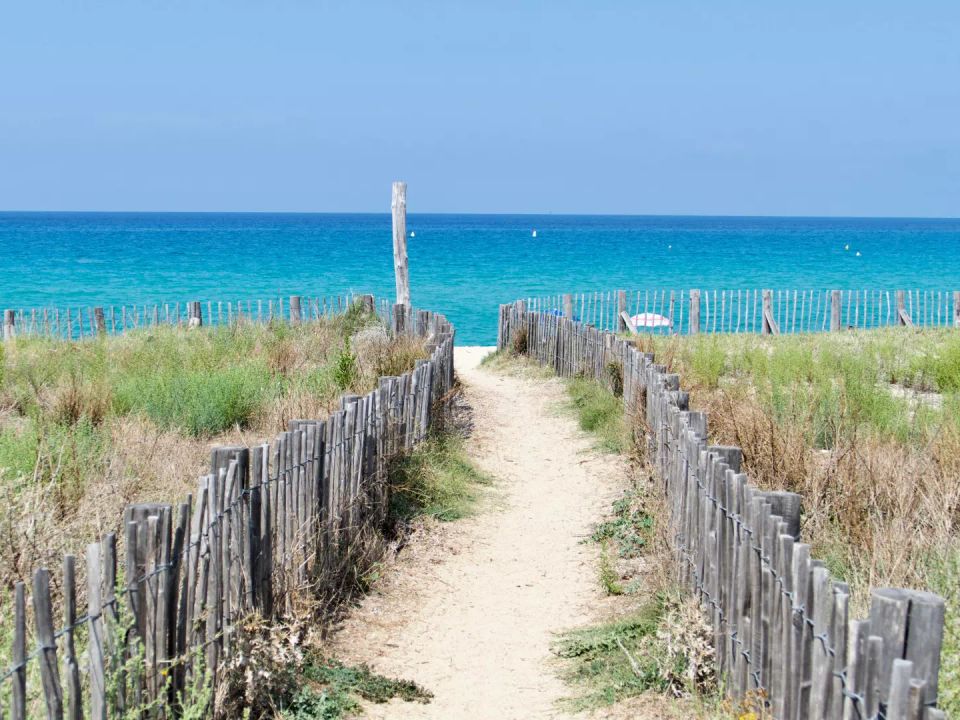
[
  {"x": 758, "y": 311},
  {"x": 781, "y": 623},
  {"x": 73, "y": 323},
  {"x": 266, "y": 520}
]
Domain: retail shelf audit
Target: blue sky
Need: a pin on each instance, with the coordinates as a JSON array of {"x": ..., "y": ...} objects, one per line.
[{"x": 670, "y": 107}]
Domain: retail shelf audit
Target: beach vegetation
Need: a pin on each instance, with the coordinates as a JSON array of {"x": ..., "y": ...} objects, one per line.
[
  {"x": 865, "y": 426},
  {"x": 87, "y": 427}
]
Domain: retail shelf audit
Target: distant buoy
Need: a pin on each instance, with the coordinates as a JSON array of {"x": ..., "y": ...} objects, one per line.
[
  {"x": 669, "y": 247},
  {"x": 858, "y": 253},
  {"x": 846, "y": 247},
  {"x": 534, "y": 234},
  {"x": 412, "y": 234}
]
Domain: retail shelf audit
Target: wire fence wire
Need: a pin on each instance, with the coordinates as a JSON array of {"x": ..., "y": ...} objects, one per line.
[
  {"x": 267, "y": 522},
  {"x": 780, "y": 622}
]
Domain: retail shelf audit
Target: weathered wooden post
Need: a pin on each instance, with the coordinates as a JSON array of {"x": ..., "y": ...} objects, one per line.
[
  {"x": 568, "y": 306},
  {"x": 694, "y": 312},
  {"x": 956, "y": 308},
  {"x": 99, "y": 321},
  {"x": 769, "y": 326},
  {"x": 399, "y": 319},
  {"x": 367, "y": 302},
  {"x": 295, "y": 312},
  {"x": 194, "y": 314},
  {"x": 9, "y": 322},
  {"x": 401, "y": 269},
  {"x": 621, "y": 309},
  {"x": 903, "y": 317},
  {"x": 834, "y": 310}
]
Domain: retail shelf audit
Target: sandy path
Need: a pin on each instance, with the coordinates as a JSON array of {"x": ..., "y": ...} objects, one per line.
[{"x": 471, "y": 617}]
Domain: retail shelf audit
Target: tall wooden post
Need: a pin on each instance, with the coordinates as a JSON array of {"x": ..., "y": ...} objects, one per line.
[
  {"x": 835, "y": 310},
  {"x": 194, "y": 314},
  {"x": 694, "y": 312},
  {"x": 367, "y": 302},
  {"x": 296, "y": 314},
  {"x": 956, "y": 308},
  {"x": 903, "y": 317},
  {"x": 621, "y": 309},
  {"x": 402, "y": 271},
  {"x": 568, "y": 306},
  {"x": 769, "y": 326},
  {"x": 9, "y": 320},
  {"x": 99, "y": 321}
]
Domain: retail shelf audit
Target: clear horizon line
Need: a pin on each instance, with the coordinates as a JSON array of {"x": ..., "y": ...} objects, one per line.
[{"x": 488, "y": 214}]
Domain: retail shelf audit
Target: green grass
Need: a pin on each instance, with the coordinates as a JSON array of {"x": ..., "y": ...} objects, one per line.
[
  {"x": 199, "y": 381},
  {"x": 201, "y": 403},
  {"x": 840, "y": 380},
  {"x": 333, "y": 690},
  {"x": 437, "y": 480},
  {"x": 598, "y": 664},
  {"x": 599, "y": 412}
]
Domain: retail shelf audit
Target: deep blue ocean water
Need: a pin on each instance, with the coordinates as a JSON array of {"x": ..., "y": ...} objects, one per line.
[{"x": 461, "y": 265}]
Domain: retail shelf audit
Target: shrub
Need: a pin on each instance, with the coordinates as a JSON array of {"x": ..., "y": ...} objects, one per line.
[
  {"x": 201, "y": 403},
  {"x": 345, "y": 367}
]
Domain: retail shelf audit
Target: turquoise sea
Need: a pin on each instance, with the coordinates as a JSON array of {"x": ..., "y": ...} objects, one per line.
[{"x": 461, "y": 265}]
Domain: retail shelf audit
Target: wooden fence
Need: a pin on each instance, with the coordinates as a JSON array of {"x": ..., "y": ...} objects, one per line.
[
  {"x": 780, "y": 621},
  {"x": 758, "y": 311},
  {"x": 74, "y": 323},
  {"x": 265, "y": 520}
]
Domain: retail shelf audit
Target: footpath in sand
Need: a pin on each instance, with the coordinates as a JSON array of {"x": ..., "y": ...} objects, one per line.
[{"x": 470, "y": 612}]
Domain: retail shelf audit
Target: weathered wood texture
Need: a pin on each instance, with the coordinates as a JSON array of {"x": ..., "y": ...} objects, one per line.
[
  {"x": 265, "y": 521},
  {"x": 758, "y": 311},
  {"x": 780, "y": 622},
  {"x": 401, "y": 269}
]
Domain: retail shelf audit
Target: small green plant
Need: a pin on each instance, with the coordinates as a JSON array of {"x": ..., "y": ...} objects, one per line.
[
  {"x": 333, "y": 689},
  {"x": 364, "y": 682},
  {"x": 345, "y": 367},
  {"x": 629, "y": 528},
  {"x": 608, "y": 575}
]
